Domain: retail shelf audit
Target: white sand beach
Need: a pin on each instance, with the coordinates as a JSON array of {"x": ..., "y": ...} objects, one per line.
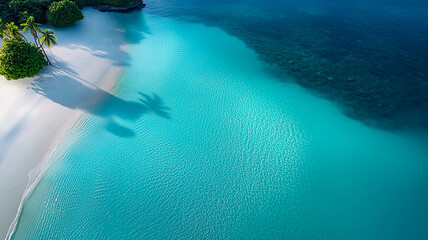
[{"x": 36, "y": 112}]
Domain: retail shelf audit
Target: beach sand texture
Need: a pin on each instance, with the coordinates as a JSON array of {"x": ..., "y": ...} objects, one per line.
[{"x": 35, "y": 112}]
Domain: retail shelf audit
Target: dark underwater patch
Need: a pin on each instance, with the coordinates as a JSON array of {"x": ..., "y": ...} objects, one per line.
[{"x": 370, "y": 57}]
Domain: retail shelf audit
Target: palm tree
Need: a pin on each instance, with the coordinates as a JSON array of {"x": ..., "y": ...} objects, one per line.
[
  {"x": 12, "y": 31},
  {"x": 47, "y": 39},
  {"x": 32, "y": 27}
]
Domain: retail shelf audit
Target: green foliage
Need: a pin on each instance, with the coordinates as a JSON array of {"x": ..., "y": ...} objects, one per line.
[
  {"x": 47, "y": 38},
  {"x": 32, "y": 26},
  {"x": 5, "y": 12},
  {"x": 3, "y": 29},
  {"x": 12, "y": 31},
  {"x": 83, "y": 3},
  {"x": 80, "y": 3},
  {"x": 63, "y": 14},
  {"x": 120, "y": 3},
  {"x": 93, "y": 2},
  {"x": 35, "y": 8},
  {"x": 19, "y": 59},
  {"x": 19, "y": 10}
]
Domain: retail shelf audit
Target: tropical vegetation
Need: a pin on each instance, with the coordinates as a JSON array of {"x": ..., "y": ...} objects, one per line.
[
  {"x": 21, "y": 9},
  {"x": 20, "y": 58},
  {"x": 48, "y": 38},
  {"x": 118, "y": 2},
  {"x": 64, "y": 13},
  {"x": 18, "y": 10}
]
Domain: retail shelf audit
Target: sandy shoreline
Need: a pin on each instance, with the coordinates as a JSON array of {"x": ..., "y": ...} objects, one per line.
[{"x": 35, "y": 113}]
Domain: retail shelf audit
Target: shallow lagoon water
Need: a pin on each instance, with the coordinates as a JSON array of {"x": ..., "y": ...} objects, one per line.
[{"x": 201, "y": 141}]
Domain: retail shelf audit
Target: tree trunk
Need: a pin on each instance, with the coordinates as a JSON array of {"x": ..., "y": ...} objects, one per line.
[
  {"x": 46, "y": 56},
  {"x": 35, "y": 40}
]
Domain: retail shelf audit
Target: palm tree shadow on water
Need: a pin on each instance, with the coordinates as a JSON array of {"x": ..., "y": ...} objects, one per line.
[
  {"x": 63, "y": 85},
  {"x": 75, "y": 93}
]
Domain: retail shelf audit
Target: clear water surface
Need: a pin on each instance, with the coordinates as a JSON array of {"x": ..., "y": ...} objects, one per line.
[{"x": 201, "y": 140}]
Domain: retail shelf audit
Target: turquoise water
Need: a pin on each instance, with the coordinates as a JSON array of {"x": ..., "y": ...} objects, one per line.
[
  {"x": 368, "y": 56},
  {"x": 200, "y": 141}
]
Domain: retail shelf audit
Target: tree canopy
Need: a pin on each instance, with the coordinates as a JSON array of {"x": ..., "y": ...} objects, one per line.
[
  {"x": 120, "y": 3},
  {"x": 64, "y": 13},
  {"x": 33, "y": 27},
  {"x": 19, "y": 59},
  {"x": 21, "y": 9}
]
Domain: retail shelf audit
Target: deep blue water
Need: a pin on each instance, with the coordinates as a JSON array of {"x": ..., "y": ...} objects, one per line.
[
  {"x": 370, "y": 57},
  {"x": 208, "y": 136}
]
